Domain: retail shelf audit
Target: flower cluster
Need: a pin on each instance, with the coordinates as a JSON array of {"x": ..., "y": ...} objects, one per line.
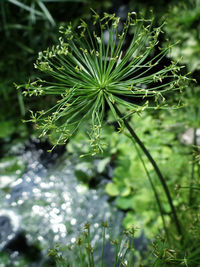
[{"x": 93, "y": 66}]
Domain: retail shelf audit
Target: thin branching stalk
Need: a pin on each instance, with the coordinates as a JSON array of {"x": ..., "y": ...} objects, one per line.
[
  {"x": 188, "y": 187},
  {"x": 21, "y": 103},
  {"x": 116, "y": 254},
  {"x": 153, "y": 188},
  {"x": 155, "y": 166},
  {"x": 88, "y": 245},
  {"x": 103, "y": 244}
]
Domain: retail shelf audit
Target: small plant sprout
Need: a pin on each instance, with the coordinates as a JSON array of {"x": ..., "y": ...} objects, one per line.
[
  {"x": 82, "y": 253},
  {"x": 87, "y": 74}
]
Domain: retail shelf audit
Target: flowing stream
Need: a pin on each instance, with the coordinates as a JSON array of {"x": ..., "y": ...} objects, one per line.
[{"x": 48, "y": 204}]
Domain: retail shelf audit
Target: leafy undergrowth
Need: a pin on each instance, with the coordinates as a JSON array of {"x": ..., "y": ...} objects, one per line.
[
  {"x": 122, "y": 252},
  {"x": 132, "y": 192}
]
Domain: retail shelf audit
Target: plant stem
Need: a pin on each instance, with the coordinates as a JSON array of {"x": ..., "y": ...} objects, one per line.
[
  {"x": 188, "y": 187},
  {"x": 153, "y": 188},
  {"x": 116, "y": 255},
  {"x": 193, "y": 168},
  {"x": 155, "y": 166},
  {"x": 88, "y": 248},
  {"x": 21, "y": 103},
  {"x": 103, "y": 244}
]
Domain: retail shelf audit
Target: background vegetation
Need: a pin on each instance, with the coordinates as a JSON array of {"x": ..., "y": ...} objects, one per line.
[{"x": 173, "y": 136}]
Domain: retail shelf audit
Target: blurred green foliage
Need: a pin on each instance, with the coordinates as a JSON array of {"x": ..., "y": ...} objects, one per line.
[
  {"x": 11, "y": 168},
  {"x": 183, "y": 25},
  {"x": 129, "y": 181},
  {"x": 122, "y": 252},
  {"x": 130, "y": 188},
  {"x": 29, "y": 26}
]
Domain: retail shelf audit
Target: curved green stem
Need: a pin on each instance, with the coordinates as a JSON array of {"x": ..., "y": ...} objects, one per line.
[
  {"x": 155, "y": 166},
  {"x": 153, "y": 188}
]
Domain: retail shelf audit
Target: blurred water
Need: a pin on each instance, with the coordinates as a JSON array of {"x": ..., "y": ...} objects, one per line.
[{"x": 49, "y": 204}]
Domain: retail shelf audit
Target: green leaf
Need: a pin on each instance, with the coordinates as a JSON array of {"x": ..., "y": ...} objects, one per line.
[
  {"x": 84, "y": 171},
  {"x": 129, "y": 220},
  {"x": 25, "y": 7},
  {"x": 125, "y": 191},
  {"x": 112, "y": 189},
  {"x": 125, "y": 202},
  {"x": 46, "y": 12},
  {"x": 102, "y": 164}
]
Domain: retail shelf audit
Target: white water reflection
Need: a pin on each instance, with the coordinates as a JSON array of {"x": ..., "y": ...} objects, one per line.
[{"x": 53, "y": 206}]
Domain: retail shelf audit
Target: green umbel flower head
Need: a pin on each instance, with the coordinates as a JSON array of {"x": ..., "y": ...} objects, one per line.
[{"x": 87, "y": 72}]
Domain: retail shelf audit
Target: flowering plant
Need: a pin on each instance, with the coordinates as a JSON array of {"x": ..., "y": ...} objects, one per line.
[{"x": 87, "y": 73}]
